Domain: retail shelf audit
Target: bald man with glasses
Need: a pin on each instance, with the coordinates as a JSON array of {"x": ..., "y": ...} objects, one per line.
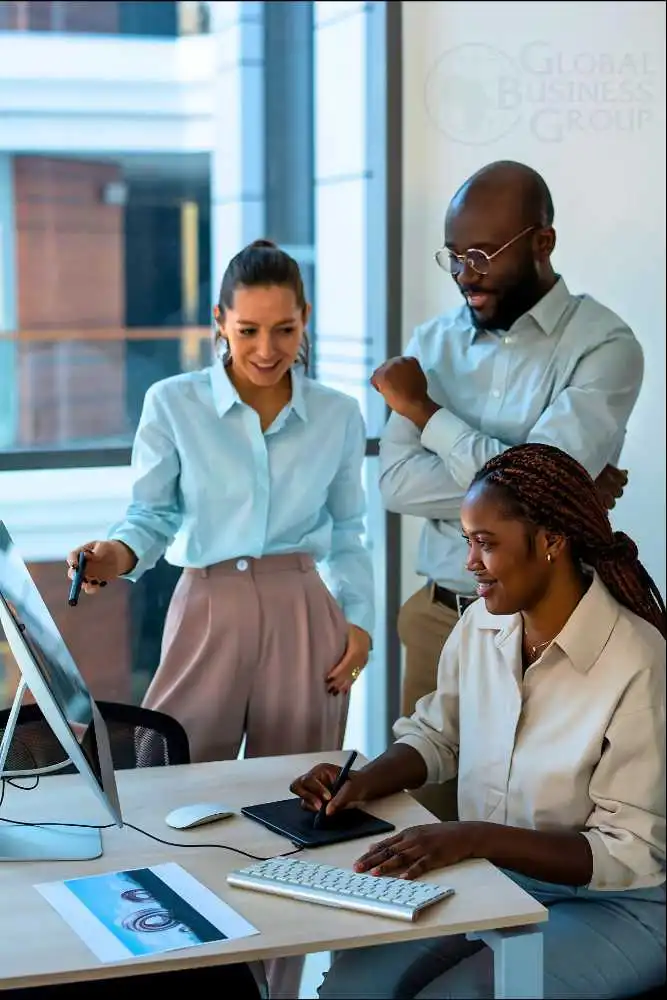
[{"x": 522, "y": 360}]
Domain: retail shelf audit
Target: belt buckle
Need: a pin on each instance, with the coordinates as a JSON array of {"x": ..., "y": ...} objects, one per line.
[{"x": 463, "y": 601}]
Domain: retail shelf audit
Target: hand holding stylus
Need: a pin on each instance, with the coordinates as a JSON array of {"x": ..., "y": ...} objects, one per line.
[
  {"x": 104, "y": 561},
  {"x": 77, "y": 581},
  {"x": 343, "y": 774}
]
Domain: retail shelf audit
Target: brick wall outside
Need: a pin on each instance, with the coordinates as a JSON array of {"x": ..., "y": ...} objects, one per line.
[
  {"x": 100, "y": 16},
  {"x": 70, "y": 276}
]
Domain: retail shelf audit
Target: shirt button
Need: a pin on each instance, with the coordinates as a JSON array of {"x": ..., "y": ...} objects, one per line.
[
  {"x": 242, "y": 564},
  {"x": 508, "y": 340},
  {"x": 496, "y": 393}
]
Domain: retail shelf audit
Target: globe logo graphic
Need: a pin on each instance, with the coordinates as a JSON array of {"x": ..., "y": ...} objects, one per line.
[{"x": 472, "y": 94}]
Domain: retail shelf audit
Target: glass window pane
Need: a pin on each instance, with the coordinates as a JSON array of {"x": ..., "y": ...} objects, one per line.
[
  {"x": 366, "y": 723},
  {"x": 109, "y": 264}
]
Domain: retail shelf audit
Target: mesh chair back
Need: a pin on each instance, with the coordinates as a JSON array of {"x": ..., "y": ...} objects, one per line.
[{"x": 138, "y": 737}]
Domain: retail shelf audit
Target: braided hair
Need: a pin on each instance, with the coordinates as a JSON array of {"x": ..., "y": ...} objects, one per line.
[{"x": 547, "y": 488}]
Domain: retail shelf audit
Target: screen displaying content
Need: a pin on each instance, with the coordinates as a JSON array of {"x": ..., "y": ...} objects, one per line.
[{"x": 41, "y": 635}]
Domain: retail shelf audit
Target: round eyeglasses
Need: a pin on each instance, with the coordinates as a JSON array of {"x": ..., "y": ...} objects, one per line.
[{"x": 477, "y": 260}]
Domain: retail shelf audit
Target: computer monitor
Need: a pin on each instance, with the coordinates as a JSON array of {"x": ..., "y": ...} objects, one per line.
[{"x": 48, "y": 671}]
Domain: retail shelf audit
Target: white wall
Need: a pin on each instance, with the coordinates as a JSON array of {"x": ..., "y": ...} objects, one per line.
[{"x": 576, "y": 90}]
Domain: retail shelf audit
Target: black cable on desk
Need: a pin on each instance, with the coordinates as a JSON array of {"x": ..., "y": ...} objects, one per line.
[{"x": 137, "y": 829}]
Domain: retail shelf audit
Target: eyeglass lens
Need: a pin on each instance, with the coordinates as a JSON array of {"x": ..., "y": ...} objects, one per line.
[{"x": 474, "y": 259}]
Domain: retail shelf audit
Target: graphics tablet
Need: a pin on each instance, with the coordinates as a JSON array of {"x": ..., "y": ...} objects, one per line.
[{"x": 290, "y": 820}]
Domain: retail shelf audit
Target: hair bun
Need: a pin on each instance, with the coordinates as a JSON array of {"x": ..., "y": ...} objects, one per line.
[
  {"x": 263, "y": 245},
  {"x": 621, "y": 550}
]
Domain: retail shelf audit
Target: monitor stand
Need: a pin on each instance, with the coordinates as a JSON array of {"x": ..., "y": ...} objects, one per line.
[
  {"x": 20, "y": 842},
  {"x": 47, "y": 842}
]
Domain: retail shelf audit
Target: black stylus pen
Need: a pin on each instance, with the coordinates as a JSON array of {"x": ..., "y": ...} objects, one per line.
[
  {"x": 77, "y": 581},
  {"x": 337, "y": 785}
]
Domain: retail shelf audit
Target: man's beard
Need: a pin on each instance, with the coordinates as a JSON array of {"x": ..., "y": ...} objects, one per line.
[{"x": 512, "y": 304}]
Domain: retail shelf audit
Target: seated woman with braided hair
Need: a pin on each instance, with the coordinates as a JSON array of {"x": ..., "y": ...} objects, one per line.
[{"x": 550, "y": 705}]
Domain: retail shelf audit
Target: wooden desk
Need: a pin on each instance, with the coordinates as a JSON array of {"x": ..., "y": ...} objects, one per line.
[{"x": 37, "y": 947}]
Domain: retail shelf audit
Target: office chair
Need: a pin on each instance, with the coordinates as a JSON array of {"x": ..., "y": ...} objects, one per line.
[{"x": 139, "y": 737}]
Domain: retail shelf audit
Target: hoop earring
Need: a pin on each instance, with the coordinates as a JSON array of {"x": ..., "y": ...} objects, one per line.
[
  {"x": 303, "y": 357},
  {"x": 222, "y": 350}
]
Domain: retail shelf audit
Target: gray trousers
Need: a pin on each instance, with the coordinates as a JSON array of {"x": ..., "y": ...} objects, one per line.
[{"x": 596, "y": 944}]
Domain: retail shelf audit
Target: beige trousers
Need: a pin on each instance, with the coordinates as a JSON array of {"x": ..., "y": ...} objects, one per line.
[
  {"x": 246, "y": 649},
  {"x": 423, "y": 628}
]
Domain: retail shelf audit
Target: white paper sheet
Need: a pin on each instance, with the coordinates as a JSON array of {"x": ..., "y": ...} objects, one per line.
[{"x": 143, "y": 911}]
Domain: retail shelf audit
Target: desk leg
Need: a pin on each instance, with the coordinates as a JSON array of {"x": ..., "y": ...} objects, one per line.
[
  {"x": 258, "y": 971},
  {"x": 517, "y": 962}
]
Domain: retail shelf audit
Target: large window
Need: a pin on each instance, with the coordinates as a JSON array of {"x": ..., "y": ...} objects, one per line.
[{"x": 130, "y": 171}]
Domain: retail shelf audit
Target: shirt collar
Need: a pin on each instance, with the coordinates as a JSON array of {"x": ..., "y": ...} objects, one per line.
[
  {"x": 546, "y": 313},
  {"x": 585, "y": 633},
  {"x": 298, "y": 401},
  {"x": 225, "y": 394},
  {"x": 587, "y": 630}
]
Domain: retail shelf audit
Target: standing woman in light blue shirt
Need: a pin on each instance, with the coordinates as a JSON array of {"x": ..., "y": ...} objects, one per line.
[{"x": 247, "y": 474}]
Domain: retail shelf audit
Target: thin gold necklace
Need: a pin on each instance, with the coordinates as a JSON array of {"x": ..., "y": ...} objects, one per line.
[{"x": 534, "y": 649}]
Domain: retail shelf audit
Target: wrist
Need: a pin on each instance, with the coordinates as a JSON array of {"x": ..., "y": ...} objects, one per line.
[
  {"x": 478, "y": 841},
  {"x": 421, "y": 412},
  {"x": 364, "y": 636},
  {"x": 126, "y": 559}
]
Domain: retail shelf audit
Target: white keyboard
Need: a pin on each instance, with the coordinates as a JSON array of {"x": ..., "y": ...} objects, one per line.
[{"x": 329, "y": 886}]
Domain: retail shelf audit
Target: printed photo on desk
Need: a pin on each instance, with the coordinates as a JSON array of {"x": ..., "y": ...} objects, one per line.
[{"x": 143, "y": 911}]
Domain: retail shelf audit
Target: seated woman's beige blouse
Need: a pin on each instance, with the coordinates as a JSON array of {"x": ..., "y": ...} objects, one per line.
[{"x": 577, "y": 743}]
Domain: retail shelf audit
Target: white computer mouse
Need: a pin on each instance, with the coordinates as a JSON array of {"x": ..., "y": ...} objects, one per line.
[{"x": 197, "y": 814}]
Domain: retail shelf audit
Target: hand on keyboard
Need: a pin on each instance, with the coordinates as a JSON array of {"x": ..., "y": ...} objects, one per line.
[
  {"x": 419, "y": 849},
  {"x": 329, "y": 886}
]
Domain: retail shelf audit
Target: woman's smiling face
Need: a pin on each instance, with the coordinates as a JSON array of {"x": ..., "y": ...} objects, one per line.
[{"x": 507, "y": 556}]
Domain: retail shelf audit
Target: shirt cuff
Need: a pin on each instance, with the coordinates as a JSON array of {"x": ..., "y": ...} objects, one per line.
[
  {"x": 441, "y": 435},
  {"x": 356, "y": 614},
  {"x": 610, "y": 874},
  {"x": 140, "y": 543}
]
